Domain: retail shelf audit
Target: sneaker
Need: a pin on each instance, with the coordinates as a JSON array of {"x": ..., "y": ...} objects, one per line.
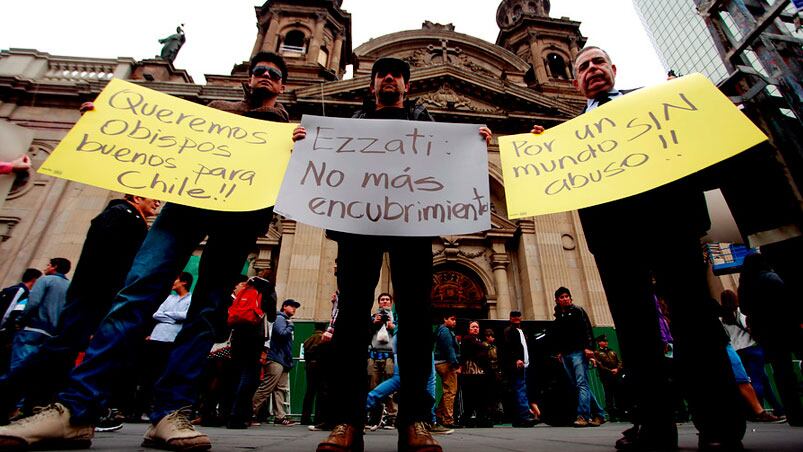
[
  {"x": 580, "y": 422},
  {"x": 285, "y": 422},
  {"x": 109, "y": 423},
  {"x": 372, "y": 428},
  {"x": 322, "y": 427},
  {"x": 175, "y": 432},
  {"x": 49, "y": 428},
  {"x": 596, "y": 421},
  {"x": 766, "y": 416},
  {"x": 438, "y": 429}
]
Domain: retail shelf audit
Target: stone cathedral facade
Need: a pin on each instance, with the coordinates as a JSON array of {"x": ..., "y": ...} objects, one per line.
[{"x": 522, "y": 79}]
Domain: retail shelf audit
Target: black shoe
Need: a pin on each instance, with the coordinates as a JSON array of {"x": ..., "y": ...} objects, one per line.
[
  {"x": 645, "y": 439},
  {"x": 233, "y": 424},
  {"x": 729, "y": 445},
  {"x": 526, "y": 423},
  {"x": 109, "y": 423}
]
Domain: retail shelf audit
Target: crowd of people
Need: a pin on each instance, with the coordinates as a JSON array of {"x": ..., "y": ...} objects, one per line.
[{"x": 218, "y": 350}]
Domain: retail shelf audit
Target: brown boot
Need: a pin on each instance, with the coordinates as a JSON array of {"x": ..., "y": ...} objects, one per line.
[
  {"x": 416, "y": 437},
  {"x": 344, "y": 438}
]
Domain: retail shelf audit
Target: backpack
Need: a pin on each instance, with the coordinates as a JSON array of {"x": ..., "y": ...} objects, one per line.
[{"x": 246, "y": 309}]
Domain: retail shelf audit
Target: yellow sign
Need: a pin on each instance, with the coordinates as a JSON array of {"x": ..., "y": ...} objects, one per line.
[
  {"x": 150, "y": 144},
  {"x": 632, "y": 144}
]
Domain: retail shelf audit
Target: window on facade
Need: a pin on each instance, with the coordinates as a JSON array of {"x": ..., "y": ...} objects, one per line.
[
  {"x": 557, "y": 66},
  {"x": 294, "y": 42}
]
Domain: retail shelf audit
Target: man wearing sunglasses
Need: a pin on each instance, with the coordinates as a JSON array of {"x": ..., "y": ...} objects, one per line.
[
  {"x": 176, "y": 233},
  {"x": 359, "y": 259}
]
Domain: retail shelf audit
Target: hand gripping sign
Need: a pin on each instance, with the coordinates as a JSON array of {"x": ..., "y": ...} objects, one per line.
[
  {"x": 150, "y": 144},
  {"x": 637, "y": 142},
  {"x": 388, "y": 177}
]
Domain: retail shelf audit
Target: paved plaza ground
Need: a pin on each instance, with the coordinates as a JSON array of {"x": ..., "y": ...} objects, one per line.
[{"x": 759, "y": 437}]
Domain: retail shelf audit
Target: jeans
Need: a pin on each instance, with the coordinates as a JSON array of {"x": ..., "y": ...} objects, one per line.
[
  {"x": 392, "y": 384},
  {"x": 576, "y": 366},
  {"x": 173, "y": 237},
  {"x": 753, "y": 359},
  {"x": 518, "y": 380}
]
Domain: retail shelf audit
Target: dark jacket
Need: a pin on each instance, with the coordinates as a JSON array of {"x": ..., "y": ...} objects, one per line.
[
  {"x": 571, "y": 331},
  {"x": 607, "y": 360},
  {"x": 414, "y": 111},
  {"x": 281, "y": 341},
  {"x": 513, "y": 350},
  {"x": 446, "y": 348},
  {"x": 472, "y": 349},
  {"x": 112, "y": 242}
]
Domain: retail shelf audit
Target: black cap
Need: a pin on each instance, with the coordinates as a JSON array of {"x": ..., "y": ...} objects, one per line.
[
  {"x": 390, "y": 64},
  {"x": 291, "y": 302},
  {"x": 602, "y": 337}
]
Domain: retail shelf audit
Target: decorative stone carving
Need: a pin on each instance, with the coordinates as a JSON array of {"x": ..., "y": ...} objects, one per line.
[
  {"x": 447, "y": 97},
  {"x": 429, "y": 25}
]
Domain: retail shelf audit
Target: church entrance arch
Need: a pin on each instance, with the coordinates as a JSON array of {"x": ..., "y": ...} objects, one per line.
[{"x": 457, "y": 289}]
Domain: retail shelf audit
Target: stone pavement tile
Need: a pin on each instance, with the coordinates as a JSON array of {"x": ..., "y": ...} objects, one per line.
[{"x": 271, "y": 438}]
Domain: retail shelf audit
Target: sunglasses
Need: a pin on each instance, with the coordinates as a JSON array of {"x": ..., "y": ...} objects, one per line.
[
  {"x": 266, "y": 71},
  {"x": 392, "y": 72}
]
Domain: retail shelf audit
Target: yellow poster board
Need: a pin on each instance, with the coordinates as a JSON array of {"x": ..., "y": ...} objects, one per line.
[
  {"x": 150, "y": 144},
  {"x": 632, "y": 144}
]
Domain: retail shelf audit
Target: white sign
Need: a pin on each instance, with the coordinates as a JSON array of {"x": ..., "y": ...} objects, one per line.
[{"x": 388, "y": 177}]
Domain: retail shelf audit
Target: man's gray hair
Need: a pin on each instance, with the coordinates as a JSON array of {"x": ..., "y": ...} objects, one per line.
[{"x": 588, "y": 48}]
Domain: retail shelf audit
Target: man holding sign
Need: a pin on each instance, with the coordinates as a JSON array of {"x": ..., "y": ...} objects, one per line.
[
  {"x": 359, "y": 261},
  {"x": 175, "y": 234},
  {"x": 673, "y": 216}
]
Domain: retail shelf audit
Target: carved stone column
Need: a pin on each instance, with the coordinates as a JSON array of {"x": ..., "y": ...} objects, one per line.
[
  {"x": 334, "y": 57},
  {"x": 316, "y": 40},
  {"x": 272, "y": 35},
  {"x": 536, "y": 53},
  {"x": 499, "y": 262}
]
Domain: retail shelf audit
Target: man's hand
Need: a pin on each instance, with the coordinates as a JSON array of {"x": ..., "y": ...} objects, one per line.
[
  {"x": 589, "y": 354},
  {"x": 390, "y": 326},
  {"x": 614, "y": 371},
  {"x": 21, "y": 164},
  {"x": 326, "y": 336},
  {"x": 85, "y": 107},
  {"x": 299, "y": 133},
  {"x": 519, "y": 364},
  {"x": 377, "y": 318},
  {"x": 537, "y": 129},
  {"x": 486, "y": 134}
]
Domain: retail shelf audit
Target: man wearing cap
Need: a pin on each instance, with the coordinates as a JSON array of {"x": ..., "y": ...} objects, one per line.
[
  {"x": 172, "y": 239},
  {"x": 359, "y": 261},
  {"x": 609, "y": 368},
  {"x": 280, "y": 361}
]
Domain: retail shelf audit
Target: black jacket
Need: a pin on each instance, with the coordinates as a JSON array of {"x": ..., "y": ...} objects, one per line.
[
  {"x": 513, "y": 350},
  {"x": 571, "y": 331}
]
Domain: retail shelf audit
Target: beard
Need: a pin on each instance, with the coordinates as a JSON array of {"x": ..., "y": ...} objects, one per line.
[
  {"x": 260, "y": 93},
  {"x": 389, "y": 97}
]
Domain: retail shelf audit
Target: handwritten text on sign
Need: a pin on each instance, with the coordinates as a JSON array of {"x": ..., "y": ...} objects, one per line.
[
  {"x": 635, "y": 143},
  {"x": 388, "y": 177},
  {"x": 150, "y": 144}
]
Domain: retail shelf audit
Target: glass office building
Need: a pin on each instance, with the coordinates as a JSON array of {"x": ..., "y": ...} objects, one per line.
[{"x": 680, "y": 37}]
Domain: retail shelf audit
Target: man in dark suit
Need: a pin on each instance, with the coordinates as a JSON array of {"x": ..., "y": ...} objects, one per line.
[{"x": 674, "y": 216}]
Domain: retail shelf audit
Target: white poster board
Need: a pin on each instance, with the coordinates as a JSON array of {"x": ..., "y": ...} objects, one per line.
[{"x": 388, "y": 177}]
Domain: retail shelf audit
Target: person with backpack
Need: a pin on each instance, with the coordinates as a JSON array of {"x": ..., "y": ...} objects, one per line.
[{"x": 247, "y": 321}]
